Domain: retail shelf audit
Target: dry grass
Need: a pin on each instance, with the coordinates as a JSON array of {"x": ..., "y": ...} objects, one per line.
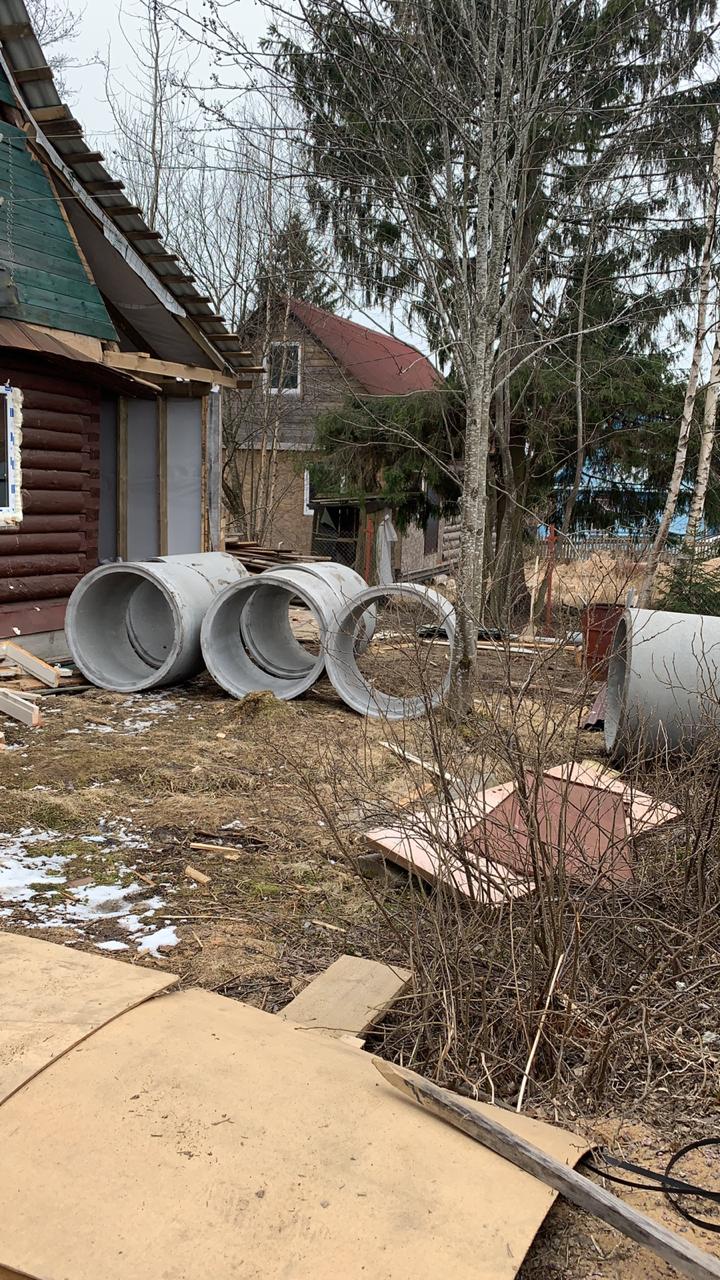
[{"x": 290, "y": 788}]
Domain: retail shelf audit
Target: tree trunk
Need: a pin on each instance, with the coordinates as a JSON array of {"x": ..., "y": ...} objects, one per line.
[
  {"x": 707, "y": 442},
  {"x": 671, "y": 502},
  {"x": 472, "y": 545}
]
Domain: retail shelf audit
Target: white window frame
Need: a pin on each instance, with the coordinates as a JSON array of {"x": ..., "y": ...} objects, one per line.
[
  {"x": 284, "y": 391},
  {"x": 307, "y": 509},
  {"x": 11, "y": 427}
]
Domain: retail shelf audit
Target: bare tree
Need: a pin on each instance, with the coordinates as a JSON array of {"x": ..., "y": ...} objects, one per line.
[
  {"x": 707, "y": 440},
  {"x": 56, "y": 25},
  {"x": 686, "y": 421}
]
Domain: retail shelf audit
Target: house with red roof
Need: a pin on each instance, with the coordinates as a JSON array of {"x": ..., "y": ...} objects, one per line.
[{"x": 314, "y": 362}]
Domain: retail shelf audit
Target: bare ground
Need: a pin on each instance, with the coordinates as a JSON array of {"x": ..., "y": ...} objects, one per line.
[{"x": 116, "y": 789}]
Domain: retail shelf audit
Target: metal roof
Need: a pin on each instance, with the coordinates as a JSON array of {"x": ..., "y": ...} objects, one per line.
[
  {"x": 383, "y": 365},
  {"x": 61, "y": 135}
]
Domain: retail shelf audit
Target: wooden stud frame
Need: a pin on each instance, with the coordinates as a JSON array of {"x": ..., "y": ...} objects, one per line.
[{"x": 122, "y": 477}]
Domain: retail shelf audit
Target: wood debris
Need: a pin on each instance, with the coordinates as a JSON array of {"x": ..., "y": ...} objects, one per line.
[
  {"x": 20, "y": 708},
  {"x": 199, "y": 877}
]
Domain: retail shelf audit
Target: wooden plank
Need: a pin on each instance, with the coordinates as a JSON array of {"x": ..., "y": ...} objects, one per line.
[
  {"x": 162, "y": 449},
  {"x": 30, "y": 663},
  {"x": 83, "y": 157},
  {"x": 44, "y": 114},
  {"x": 28, "y": 75},
  {"x": 576, "y": 1188},
  {"x": 104, "y": 184},
  {"x": 427, "y": 766},
  {"x": 122, "y": 477},
  {"x": 138, "y": 362},
  {"x": 348, "y": 998},
  {"x": 213, "y": 470},
  {"x": 19, "y": 708}
]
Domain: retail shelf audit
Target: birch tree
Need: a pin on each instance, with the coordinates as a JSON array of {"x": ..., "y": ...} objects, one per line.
[
  {"x": 707, "y": 440},
  {"x": 704, "y": 281}
]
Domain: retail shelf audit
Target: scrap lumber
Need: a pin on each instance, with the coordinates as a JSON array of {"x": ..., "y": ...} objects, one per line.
[
  {"x": 199, "y": 877},
  {"x": 575, "y": 1187},
  {"x": 202, "y": 847},
  {"x": 348, "y": 998},
  {"x": 30, "y": 663},
  {"x": 20, "y": 708},
  {"x": 428, "y": 766},
  {"x": 257, "y": 558}
]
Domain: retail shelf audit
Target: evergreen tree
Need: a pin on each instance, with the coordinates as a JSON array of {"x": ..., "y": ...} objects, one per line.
[{"x": 297, "y": 266}]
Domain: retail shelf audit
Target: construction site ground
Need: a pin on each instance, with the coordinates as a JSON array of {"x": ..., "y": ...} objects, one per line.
[{"x": 99, "y": 808}]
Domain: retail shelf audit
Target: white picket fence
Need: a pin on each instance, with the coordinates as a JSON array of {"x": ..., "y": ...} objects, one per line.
[{"x": 580, "y": 546}]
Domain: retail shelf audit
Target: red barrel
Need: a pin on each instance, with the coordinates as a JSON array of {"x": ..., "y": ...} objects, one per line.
[{"x": 598, "y": 624}]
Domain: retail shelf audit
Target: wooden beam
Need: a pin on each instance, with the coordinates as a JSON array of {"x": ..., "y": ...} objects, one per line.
[
  {"x": 83, "y": 157},
  {"x": 30, "y": 662},
  {"x": 15, "y": 30},
  {"x": 30, "y": 74},
  {"x": 122, "y": 210},
  {"x": 45, "y": 114},
  {"x": 162, "y": 445},
  {"x": 213, "y": 455},
  {"x": 576, "y": 1188},
  {"x": 13, "y": 704},
  {"x": 176, "y": 279},
  {"x": 159, "y": 257},
  {"x": 97, "y": 187},
  {"x": 122, "y": 477},
  {"x": 138, "y": 362},
  {"x": 144, "y": 235}
]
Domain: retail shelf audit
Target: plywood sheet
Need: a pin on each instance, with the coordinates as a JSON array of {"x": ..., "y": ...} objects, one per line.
[
  {"x": 52, "y": 997},
  {"x": 427, "y": 855},
  {"x": 207, "y": 1138},
  {"x": 348, "y": 998},
  {"x": 581, "y": 828}
]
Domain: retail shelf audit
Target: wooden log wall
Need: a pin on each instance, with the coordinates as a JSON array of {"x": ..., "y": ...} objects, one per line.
[{"x": 43, "y": 558}]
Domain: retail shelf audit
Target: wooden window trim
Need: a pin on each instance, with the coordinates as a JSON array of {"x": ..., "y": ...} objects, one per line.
[
  {"x": 293, "y": 393},
  {"x": 11, "y": 428}
]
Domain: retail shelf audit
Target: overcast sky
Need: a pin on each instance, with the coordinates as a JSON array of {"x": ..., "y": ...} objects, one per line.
[{"x": 112, "y": 32}]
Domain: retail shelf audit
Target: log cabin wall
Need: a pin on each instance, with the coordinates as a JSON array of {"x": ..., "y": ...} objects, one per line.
[{"x": 43, "y": 557}]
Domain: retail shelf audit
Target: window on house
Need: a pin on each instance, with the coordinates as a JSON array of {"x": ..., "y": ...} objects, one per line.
[
  {"x": 284, "y": 368},
  {"x": 432, "y": 526},
  {"x": 10, "y": 493}
]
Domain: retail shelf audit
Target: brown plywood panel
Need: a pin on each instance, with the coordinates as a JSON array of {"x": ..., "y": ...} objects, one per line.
[
  {"x": 432, "y": 859},
  {"x": 207, "y": 1138},
  {"x": 579, "y": 827},
  {"x": 348, "y": 998},
  {"x": 52, "y": 997}
]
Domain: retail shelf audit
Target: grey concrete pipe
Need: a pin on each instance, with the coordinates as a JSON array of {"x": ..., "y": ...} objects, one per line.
[
  {"x": 341, "y": 663},
  {"x": 663, "y": 681},
  {"x": 265, "y": 621},
  {"x": 228, "y": 659},
  {"x": 136, "y": 625}
]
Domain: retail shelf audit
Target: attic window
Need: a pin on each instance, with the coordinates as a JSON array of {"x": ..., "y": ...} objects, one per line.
[
  {"x": 10, "y": 432},
  {"x": 284, "y": 368}
]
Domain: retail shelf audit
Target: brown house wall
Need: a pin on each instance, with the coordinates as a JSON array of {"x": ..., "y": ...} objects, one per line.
[
  {"x": 44, "y": 557},
  {"x": 288, "y": 526}
]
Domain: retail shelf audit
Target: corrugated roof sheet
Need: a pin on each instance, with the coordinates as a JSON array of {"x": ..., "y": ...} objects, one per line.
[
  {"x": 383, "y": 365},
  {"x": 38, "y": 92}
]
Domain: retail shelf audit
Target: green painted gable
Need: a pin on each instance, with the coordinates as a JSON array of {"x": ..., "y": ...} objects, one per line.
[{"x": 37, "y": 250}]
